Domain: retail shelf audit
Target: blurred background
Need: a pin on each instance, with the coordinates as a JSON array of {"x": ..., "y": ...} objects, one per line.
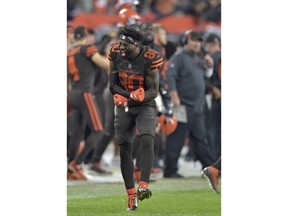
[{"x": 175, "y": 15}]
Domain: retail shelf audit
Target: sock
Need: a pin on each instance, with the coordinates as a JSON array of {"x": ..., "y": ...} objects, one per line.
[
  {"x": 131, "y": 191},
  {"x": 143, "y": 184}
]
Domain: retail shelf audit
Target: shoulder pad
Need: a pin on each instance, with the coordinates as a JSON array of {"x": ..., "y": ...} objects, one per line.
[{"x": 155, "y": 59}]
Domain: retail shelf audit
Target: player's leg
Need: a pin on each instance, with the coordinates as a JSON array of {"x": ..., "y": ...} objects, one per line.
[
  {"x": 203, "y": 151},
  {"x": 217, "y": 164},
  {"x": 124, "y": 123},
  {"x": 198, "y": 135},
  {"x": 92, "y": 117},
  {"x": 137, "y": 155},
  {"x": 214, "y": 128},
  {"x": 217, "y": 126},
  {"x": 108, "y": 133},
  {"x": 77, "y": 134},
  {"x": 146, "y": 125},
  {"x": 98, "y": 97}
]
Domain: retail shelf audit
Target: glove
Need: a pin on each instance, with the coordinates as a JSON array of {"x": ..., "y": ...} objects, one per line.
[
  {"x": 138, "y": 95},
  {"x": 120, "y": 101}
]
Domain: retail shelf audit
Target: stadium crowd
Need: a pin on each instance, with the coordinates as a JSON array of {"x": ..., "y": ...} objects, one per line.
[{"x": 174, "y": 48}]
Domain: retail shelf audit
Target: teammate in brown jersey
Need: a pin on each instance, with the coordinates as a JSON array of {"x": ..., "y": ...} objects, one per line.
[
  {"x": 82, "y": 60},
  {"x": 134, "y": 82}
]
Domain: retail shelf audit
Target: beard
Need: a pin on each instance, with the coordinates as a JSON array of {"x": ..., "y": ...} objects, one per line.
[{"x": 126, "y": 54}]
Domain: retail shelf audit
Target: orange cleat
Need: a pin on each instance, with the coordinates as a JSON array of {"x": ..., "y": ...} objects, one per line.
[
  {"x": 143, "y": 192},
  {"x": 212, "y": 174},
  {"x": 78, "y": 170},
  {"x": 132, "y": 203}
]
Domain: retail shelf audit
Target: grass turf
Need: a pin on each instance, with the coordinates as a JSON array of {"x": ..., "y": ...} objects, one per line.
[{"x": 190, "y": 196}]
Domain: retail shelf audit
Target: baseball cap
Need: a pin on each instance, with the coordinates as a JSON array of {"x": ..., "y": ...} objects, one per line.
[
  {"x": 80, "y": 32},
  {"x": 213, "y": 38},
  {"x": 194, "y": 35}
]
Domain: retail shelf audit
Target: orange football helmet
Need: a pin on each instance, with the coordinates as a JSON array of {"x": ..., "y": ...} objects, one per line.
[
  {"x": 167, "y": 124},
  {"x": 128, "y": 17},
  {"x": 125, "y": 4}
]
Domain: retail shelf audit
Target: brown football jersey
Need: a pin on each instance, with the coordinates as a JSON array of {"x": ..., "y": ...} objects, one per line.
[{"x": 131, "y": 73}]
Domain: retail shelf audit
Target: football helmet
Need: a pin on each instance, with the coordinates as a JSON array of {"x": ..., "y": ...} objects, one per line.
[
  {"x": 128, "y": 17},
  {"x": 167, "y": 124}
]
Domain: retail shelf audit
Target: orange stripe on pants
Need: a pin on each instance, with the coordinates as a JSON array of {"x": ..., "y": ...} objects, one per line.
[
  {"x": 90, "y": 111},
  {"x": 95, "y": 112}
]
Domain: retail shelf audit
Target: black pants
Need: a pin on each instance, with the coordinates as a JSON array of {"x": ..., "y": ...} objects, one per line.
[
  {"x": 214, "y": 128},
  {"x": 137, "y": 151},
  {"x": 217, "y": 164},
  {"x": 84, "y": 110},
  {"x": 195, "y": 128},
  {"x": 108, "y": 127},
  {"x": 145, "y": 121},
  {"x": 101, "y": 106}
]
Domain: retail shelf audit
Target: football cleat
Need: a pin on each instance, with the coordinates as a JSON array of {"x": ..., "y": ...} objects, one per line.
[
  {"x": 96, "y": 167},
  {"x": 143, "y": 193},
  {"x": 77, "y": 168},
  {"x": 212, "y": 174},
  {"x": 72, "y": 176},
  {"x": 132, "y": 203}
]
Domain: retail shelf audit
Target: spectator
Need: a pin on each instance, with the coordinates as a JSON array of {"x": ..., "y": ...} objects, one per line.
[
  {"x": 212, "y": 12},
  {"x": 162, "y": 8}
]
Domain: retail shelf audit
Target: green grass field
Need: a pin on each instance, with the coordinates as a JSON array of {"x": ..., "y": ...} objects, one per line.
[{"x": 190, "y": 196}]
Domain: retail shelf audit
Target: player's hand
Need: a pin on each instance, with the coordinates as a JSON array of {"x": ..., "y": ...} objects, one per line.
[
  {"x": 138, "y": 95},
  {"x": 120, "y": 101}
]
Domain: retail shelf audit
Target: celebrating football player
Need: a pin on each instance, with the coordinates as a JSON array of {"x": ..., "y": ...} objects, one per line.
[{"x": 134, "y": 82}]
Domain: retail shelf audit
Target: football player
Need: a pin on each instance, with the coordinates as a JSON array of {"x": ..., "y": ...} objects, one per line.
[
  {"x": 134, "y": 82},
  {"x": 82, "y": 60}
]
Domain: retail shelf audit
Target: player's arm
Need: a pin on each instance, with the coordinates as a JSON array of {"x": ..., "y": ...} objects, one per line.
[
  {"x": 115, "y": 88},
  {"x": 92, "y": 53},
  {"x": 100, "y": 61},
  {"x": 152, "y": 84}
]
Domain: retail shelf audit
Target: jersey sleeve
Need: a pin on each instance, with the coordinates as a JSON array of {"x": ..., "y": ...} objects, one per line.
[
  {"x": 90, "y": 51},
  {"x": 113, "y": 52},
  {"x": 155, "y": 59}
]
